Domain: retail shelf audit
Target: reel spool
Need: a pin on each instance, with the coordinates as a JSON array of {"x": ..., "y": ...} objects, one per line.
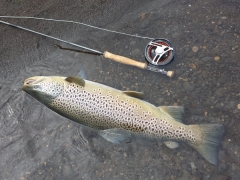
[{"x": 159, "y": 52}]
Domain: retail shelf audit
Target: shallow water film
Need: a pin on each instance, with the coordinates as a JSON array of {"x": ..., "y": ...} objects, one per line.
[{"x": 36, "y": 143}]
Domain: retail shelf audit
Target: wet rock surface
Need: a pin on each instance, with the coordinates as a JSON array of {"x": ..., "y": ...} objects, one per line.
[{"x": 36, "y": 143}]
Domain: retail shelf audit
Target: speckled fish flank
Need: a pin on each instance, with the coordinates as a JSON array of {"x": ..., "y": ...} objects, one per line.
[
  {"x": 102, "y": 108},
  {"x": 105, "y": 108}
]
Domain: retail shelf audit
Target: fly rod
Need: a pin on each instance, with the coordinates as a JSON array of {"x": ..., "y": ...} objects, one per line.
[{"x": 157, "y": 52}]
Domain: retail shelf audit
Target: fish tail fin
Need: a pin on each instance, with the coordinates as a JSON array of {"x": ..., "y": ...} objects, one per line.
[{"x": 212, "y": 135}]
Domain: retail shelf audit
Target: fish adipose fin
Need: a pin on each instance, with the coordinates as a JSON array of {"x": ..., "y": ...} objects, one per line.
[
  {"x": 76, "y": 80},
  {"x": 176, "y": 112},
  {"x": 135, "y": 94},
  {"x": 115, "y": 136},
  {"x": 212, "y": 135}
]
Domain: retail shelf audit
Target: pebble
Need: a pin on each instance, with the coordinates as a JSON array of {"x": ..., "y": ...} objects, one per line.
[
  {"x": 205, "y": 59},
  {"x": 220, "y": 92},
  {"x": 238, "y": 106},
  {"x": 221, "y": 177},
  {"x": 193, "y": 166},
  {"x": 196, "y": 111},
  {"x": 205, "y": 33},
  {"x": 215, "y": 50},
  {"x": 222, "y": 167},
  {"x": 165, "y": 157},
  {"x": 230, "y": 105},
  {"x": 190, "y": 54},
  {"x": 160, "y": 100},
  {"x": 185, "y": 98},
  {"x": 143, "y": 15},
  {"x": 222, "y": 156},
  {"x": 175, "y": 35},
  {"x": 132, "y": 43},
  {"x": 136, "y": 52},
  {"x": 233, "y": 167},
  {"x": 195, "y": 49},
  {"x": 188, "y": 86},
  {"x": 186, "y": 49},
  {"x": 167, "y": 30},
  {"x": 193, "y": 66},
  {"x": 222, "y": 78},
  {"x": 216, "y": 58},
  {"x": 185, "y": 175},
  {"x": 204, "y": 74},
  {"x": 145, "y": 24}
]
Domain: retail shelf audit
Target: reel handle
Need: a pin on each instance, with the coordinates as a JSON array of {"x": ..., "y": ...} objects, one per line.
[
  {"x": 124, "y": 60},
  {"x": 170, "y": 73}
]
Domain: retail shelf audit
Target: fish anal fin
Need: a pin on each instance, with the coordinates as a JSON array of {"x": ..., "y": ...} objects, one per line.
[
  {"x": 176, "y": 112},
  {"x": 76, "y": 80},
  {"x": 115, "y": 136},
  {"x": 135, "y": 94}
]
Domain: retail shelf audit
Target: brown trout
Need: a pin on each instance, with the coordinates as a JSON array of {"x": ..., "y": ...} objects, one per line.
[{"x": 117, "y": 114}]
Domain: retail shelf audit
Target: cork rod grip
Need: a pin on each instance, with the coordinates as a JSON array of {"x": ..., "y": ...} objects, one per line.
[{"x": 124, "y": 60}]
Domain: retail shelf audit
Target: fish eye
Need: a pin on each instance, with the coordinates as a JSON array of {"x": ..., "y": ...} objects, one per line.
[{"x": 35, "y": 86}]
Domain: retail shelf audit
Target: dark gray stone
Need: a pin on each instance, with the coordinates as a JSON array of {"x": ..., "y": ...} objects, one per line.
[
  {"x": 175, "y": 35},
  {"x": 205, "y": 59},
  {"x": 132, "y": 43},
  {"x": 196, "y": 111},
  {"x": 145, "y": 24},
  {"x": 188, "y": 86},
  {"x": 220, "y": 92},
  {"x": 160, "y": 101},
  {"x": 205, "y": 33},
  {"x": 222, "y": 78},
  {"x": 136, "y": 52}
]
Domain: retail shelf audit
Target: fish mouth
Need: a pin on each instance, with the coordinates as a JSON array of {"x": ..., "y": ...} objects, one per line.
[{"x": 32, "y": 81}]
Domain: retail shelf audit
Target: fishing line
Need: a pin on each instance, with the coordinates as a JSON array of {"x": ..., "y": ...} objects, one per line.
[
  {"x": 74, "y": 22},
  {"x": 158, "y": 52}
]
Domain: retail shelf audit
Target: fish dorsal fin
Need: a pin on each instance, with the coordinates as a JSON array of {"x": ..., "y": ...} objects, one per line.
[
  {"x": 135, "y": 94},
  {"x": 76, "y": 80},
  {"x": 176, "y": 112}
]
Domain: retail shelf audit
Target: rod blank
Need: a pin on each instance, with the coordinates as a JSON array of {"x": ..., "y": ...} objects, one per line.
[{"x": 51, "y": 37}]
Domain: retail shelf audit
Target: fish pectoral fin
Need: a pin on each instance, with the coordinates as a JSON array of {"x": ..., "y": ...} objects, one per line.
[
  {"x": 76, "y": 80},
  {"x": 176, "y": 112},
  {"x": 115, "y": 135},
  {"x": 135, "y": 94},
  {"x": 82, "y": 74},
  {"x": 171, "y": 144}
]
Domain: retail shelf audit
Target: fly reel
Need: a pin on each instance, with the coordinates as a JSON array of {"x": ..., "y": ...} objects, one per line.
[{"x": 159, "y": 52}]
